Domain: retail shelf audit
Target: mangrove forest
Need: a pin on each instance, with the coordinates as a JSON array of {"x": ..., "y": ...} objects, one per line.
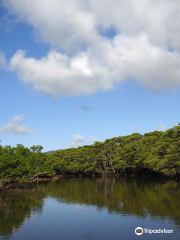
[{"x": 154, "y": 153}]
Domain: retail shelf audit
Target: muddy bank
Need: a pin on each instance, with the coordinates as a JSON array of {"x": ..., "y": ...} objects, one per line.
[{"x": 9, "y": 186}]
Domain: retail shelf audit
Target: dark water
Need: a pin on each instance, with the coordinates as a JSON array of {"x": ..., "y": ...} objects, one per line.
[{"x": 92, "y": 209}]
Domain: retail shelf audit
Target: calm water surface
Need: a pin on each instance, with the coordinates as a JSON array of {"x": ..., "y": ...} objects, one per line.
[{"x": 92, "y": 209}]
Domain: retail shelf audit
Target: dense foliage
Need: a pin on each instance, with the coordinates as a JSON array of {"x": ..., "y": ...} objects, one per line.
[
  {"x": 155, "y": 151},
  {"x": 21, "y": 163}
]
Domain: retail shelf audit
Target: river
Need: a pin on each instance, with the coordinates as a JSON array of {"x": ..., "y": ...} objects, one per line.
[{"x": 92, "y": 209}]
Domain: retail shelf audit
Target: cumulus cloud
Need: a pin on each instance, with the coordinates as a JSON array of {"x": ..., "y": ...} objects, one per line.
[
  {"x": 80, "y": 139},
  {"x": 57, "y": 74},
  {"x": 90, "y": 60},
  {"x": 67, "y": 25},
  {"x": 15, "y": 126},
  {"x": 135, "y": 128},
  {"x": 161, "y": 127},
  {"x": 119, "y": 59},
  {"x": 75, "y": 22}
]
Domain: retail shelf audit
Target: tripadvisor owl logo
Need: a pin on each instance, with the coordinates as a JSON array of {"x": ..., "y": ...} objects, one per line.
[{"x": 139, "y": 231}]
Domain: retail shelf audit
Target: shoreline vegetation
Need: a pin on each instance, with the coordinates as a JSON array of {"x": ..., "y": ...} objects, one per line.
[{"x": 152, "y": 154}]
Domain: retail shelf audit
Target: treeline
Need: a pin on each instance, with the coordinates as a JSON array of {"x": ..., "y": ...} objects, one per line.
[
  {"x": 20, "y": 163},
  {"x": 154, "y": 152}
]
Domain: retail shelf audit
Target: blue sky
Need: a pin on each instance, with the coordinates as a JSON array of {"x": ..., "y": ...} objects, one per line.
[{"x": 72, "y": 76}]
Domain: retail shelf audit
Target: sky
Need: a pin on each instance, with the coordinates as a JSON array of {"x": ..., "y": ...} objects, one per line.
[{"x": 74, "y": 72}]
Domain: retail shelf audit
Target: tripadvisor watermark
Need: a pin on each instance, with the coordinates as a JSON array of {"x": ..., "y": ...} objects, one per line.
[{"x": 140, "y": 231}]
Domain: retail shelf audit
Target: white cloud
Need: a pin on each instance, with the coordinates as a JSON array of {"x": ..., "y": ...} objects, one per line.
[
  {"x": 120, "y": 58},
  {"x": 135, "y": 128},
  {"x": 57, "y": 74},
  {"x": 74, "y": 22},
  {"x": 15, "y": 126},
  {"x": 161, "y": 127},
  {"x": 80, "y": 139},
  {"x": 64, "y": 24},
  {"x": 90, "y": 62}
]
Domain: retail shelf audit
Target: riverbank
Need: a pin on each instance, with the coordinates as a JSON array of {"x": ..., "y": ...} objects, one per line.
[
  {"x": 154, "y": 154},
  {"x": 26, "y": 185}
]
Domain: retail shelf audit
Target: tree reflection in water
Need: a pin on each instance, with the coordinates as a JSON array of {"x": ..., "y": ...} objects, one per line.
[{"x": 137, "y": 197}]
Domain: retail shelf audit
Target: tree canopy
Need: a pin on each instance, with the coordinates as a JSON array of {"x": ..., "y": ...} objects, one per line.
[{"x": 154, "y": 151}]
